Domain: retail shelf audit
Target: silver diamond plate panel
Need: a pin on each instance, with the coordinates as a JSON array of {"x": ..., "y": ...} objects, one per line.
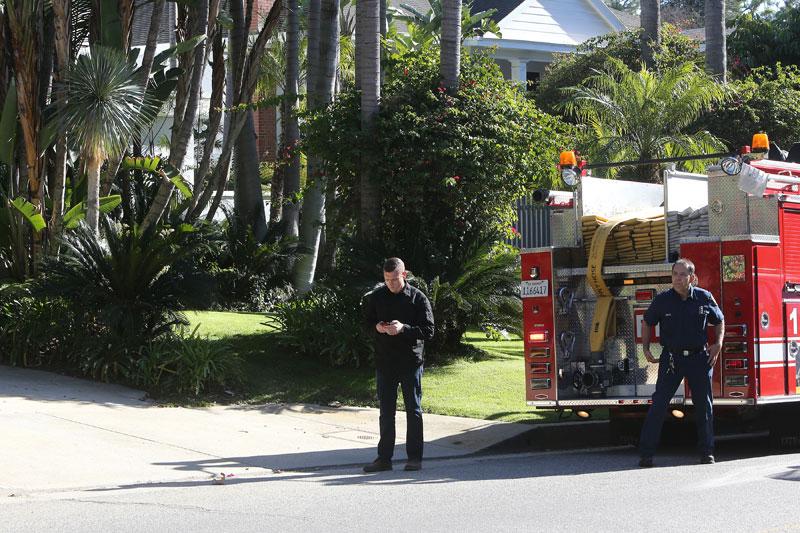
[
  {"x": 732, "y": 212},
  {"x": 764, "y": 215},
  {"x": 727, "y": 205},
  {"x": 624, "y": 371},
  {"x": 563, "y": 228}
]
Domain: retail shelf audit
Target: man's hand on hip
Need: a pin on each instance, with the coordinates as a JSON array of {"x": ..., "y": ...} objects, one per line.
[{"x": 649, "y": 355}]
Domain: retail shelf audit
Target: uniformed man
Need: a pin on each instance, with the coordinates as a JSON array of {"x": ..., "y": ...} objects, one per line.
[{"x": 683, "y": 313}]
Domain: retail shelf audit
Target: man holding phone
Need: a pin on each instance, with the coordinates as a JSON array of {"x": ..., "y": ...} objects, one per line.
[{"x": 400, "y": 318}]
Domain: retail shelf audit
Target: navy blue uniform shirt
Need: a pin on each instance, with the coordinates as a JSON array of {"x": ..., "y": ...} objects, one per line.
[{"x": 683, "y": 323}]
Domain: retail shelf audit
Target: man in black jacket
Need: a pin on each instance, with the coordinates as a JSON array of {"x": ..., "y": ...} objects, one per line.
[{"x": 400, "y": 318}]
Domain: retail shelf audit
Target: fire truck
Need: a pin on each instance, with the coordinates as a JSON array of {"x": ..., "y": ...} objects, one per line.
[{"x": 613, "y": 243}]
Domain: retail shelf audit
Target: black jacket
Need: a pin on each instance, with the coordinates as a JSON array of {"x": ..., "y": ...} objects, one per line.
[{"x": 411, "y": 307}]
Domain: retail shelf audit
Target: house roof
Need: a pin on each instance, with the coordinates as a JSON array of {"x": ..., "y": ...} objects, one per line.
[{"x": 559, "y": 25}]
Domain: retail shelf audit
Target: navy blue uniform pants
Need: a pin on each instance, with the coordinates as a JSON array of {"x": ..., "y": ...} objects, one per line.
[
  {"x": 695, "y": 369},
  {"x": 410, "y": 381}
]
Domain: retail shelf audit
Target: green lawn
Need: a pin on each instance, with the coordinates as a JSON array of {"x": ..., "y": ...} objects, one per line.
[{"x": 490, "y": 386}]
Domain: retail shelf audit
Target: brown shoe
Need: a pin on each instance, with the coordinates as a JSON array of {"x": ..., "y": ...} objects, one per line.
[
  {"x": 378, "y": 465},
  {"x": 413, "y": 465}
]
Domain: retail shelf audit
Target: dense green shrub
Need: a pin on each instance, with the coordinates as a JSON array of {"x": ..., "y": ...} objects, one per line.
[
  {"x": 188, "y": 364},
  {"x": 122, "y": 289},
  {"x": 768, "y": 99},
  {"x": 327, "y": 323},
  {"x": 764, "y": 40},
  {"x": 242, "y": 273},
  {"x": 35, "y": 331},
  {"x": 450, "y": 166},
  {"x": 482, "y": 292},
  {"x": 570, "y": 70}
]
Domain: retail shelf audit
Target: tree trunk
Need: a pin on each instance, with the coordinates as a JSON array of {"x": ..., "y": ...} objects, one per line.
[
  {"x": 61, "y": 35},
  {"x": 248, "y": 200},
  {"x": 368, "y": 51},
  {"x": 716, "y": 59},
  {"x": 185, "y": 115},
  {"x": 243, "y": 92},
  {"x": 93, "y": 163},
  {"x": 277, "y": 184},
  {"x": 451, "y": 44},
  {"x": 214, "y": 117},
  {"x": 651, "y": 23},
  {"x": 321, "y": 80},
  {"x": 152, "y": 39},
  {"x": 25, "y": 23},
  {"x": 291, "y": 137}
]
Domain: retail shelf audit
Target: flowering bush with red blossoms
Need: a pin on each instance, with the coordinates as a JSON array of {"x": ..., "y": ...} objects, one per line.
[{"x": 450, "y": 165}]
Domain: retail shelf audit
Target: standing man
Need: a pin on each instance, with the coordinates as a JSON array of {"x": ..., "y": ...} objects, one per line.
[
  {"x": 400, "y": 318},
  {"x": 683, "y": 313}
]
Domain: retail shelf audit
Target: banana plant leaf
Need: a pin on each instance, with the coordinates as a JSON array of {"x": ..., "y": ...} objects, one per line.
[
  {"x": 154, "y": 165},
  {"x": 8, "y": 125},
  {"x": 73, "y": 217},
  {"x": 29, "y": 212},
  {"x": 184, "y": 46},
  {"x": 141, "y": 163}
]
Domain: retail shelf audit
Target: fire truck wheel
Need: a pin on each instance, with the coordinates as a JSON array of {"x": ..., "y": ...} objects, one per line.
[{"x": 624, "y": 431}]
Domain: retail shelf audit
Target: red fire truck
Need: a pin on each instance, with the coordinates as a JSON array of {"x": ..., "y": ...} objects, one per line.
[{"x": 583, "y": 311}]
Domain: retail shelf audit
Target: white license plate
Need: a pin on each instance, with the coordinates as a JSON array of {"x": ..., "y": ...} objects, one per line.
[{"x": 534, "y": 288}]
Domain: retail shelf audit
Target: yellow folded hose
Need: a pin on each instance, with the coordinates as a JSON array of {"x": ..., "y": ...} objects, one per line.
[{"x": 640, "y": 238}]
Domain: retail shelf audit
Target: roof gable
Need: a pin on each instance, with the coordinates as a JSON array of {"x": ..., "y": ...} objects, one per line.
[{"x": 563, "y": 22}]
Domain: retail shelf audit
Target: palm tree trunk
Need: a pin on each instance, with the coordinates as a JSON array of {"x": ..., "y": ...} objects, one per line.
[
  {"x": 651, "y": 23},
  {"x": 93, "y": 191},
  {"x": 321, "y": 85},
  {"x": 716, "y": 60},
  {"x": 451, "y": 44},
  {"x": 369, "y": 53},
  {"x": 291, "y": 137},
  {"x": 61, "y": 35}
]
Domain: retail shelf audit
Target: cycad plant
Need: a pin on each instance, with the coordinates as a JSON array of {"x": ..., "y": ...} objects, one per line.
[
  {"x": 101, "y": 114},
  {"x": 640, "y": 115},
  {"x": 482, "y": 292},
  {"x": 125, "y": 289}
]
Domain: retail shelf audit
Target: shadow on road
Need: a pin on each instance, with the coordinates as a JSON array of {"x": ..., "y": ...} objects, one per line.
[{"x": 530, "y": 464}]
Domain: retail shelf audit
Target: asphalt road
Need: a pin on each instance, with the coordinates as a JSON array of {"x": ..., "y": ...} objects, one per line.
[{"x": 751, "y": 488}]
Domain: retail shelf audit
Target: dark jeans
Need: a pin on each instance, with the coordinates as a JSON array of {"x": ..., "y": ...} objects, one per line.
[
  {"x": 410, "y": 379},
  {"x": 695, "y": 369}
]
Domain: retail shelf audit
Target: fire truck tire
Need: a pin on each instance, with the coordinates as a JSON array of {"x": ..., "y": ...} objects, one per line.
[
  {"x": 624, "y": 431},
  {"x": 784, "y": 428}
]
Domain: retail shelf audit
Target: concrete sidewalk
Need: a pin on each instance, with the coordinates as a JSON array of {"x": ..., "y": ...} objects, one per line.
[{"x": 62, "y": 433}]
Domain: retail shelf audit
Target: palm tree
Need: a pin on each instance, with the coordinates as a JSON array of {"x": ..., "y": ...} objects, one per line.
[
  {"x": 322, "y": 78},
  {"x": 716, "y": 60},
  {"x": 102, "y": 102},
  {"x": 291, "y": 135},
  {"x": 651, "y": 22},
  {"x": 451, "y": 43},
  {"x": 368, "y": 51},
  {"x": 644, "y": 114}
]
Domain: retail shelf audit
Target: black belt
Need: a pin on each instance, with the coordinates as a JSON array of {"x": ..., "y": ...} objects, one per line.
[{"x": 684, "y": 351}]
